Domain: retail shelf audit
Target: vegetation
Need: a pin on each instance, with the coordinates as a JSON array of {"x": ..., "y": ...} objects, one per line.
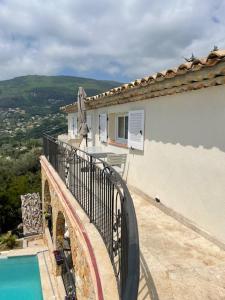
[
  {"x": 19, "y": 174},
  {"x": 29, "y": 106},
  {"x": 8, "y": 241},
  {"x": 41, "y": 94}
]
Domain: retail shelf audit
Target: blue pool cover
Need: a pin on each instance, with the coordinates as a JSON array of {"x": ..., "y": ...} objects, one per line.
[{"x": 20, "y": 278}]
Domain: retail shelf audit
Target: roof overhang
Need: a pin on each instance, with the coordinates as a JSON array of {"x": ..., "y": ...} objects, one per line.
[{"x": 200, "y": 73}]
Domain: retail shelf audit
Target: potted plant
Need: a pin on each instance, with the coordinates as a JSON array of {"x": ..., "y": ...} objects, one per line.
[
  {"x": 47, "y": 215},
  {"x": 58, "y": 257},
  {"x": 8, "y": 241}
]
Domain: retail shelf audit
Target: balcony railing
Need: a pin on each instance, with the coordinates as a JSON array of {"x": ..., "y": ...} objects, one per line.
[{"x": 105, "y": 198}]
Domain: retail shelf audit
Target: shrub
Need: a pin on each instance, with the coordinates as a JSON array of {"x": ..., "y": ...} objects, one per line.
[{"x": 8, "y": 240}]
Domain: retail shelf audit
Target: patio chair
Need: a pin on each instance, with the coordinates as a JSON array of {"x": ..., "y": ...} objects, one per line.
[
  {"x": 118, "y": 162},
  {"x": 75, "y": 142}
]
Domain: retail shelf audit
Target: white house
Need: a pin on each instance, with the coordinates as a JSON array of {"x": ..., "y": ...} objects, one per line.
[{"x": 171, "y": 125}]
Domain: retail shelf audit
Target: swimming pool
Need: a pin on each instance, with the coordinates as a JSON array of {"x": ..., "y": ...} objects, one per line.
[{"x": 20, "y": 278}]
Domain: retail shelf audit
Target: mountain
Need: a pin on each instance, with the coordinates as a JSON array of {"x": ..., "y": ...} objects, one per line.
[{"x": 41, "y": 94}]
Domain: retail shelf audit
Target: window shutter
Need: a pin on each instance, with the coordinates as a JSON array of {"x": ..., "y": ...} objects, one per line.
[
  {"x": 103, "y": 127},
  {"x": 89, "y": 126},
  {"x": 72, "y": 125},
  {"x": 136, "y": 129},
  {"x": 112, "y": 126}
]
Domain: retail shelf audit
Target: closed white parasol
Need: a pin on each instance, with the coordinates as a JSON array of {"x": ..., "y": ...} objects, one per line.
[{"x": 82, "y": 117}]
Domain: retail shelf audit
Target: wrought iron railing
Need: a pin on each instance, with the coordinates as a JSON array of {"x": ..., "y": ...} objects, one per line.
[{"x": 105, "y": 198}]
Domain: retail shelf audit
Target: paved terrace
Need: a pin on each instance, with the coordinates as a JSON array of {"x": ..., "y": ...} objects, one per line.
[{"x": 176, "y": 262}]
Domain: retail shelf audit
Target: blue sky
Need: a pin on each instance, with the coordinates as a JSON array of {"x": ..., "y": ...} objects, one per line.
[{"x": 105, "y": 39}]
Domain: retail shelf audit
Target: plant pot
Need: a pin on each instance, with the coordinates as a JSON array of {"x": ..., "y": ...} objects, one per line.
[{"x": 58, "y": 257}]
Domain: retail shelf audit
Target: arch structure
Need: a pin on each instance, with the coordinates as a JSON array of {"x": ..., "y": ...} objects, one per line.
[
  {"x": 68, "y": 233},
  {"x": 61, "y": 223},
  {"x": 47, "y": 208}
]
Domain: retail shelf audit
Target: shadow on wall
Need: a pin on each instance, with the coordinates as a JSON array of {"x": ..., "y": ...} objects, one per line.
[
  {"x": 147, "y": 289},
  {"x": 136, "y": 152},
  {"x": 47, "y": 196},
  {"x": 195, "y": 119},
  {"x": 60, "y": 230}
]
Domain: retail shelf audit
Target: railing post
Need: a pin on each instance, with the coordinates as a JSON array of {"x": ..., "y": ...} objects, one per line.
[{"x": 91, "y": 188}]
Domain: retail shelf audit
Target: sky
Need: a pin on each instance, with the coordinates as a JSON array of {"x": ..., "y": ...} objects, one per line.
[{"x": 106, "y": 39}]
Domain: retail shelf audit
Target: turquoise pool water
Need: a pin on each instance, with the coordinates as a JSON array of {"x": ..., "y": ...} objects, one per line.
[{"x": 20, "y": 278}]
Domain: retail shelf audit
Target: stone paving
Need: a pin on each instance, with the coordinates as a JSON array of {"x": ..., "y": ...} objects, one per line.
[{"x": 176, "y": 262}]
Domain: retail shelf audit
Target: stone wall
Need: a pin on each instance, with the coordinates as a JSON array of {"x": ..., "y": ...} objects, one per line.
[{"x": 84, "y": 284}]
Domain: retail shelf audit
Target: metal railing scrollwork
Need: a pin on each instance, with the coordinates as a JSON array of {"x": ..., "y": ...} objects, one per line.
[{"x": 105, "y": 198}]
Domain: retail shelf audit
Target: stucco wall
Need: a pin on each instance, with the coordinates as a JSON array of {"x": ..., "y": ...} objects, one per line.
[{"x": 183, "y": 162}]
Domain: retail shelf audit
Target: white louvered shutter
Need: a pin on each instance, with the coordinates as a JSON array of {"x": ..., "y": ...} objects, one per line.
[
  {"x": 70, "y": 127},
  {"x": 103, "y": 127},
  {"x": 89, "y": 126},
  {"x": 74, "y": 125},
  {"x": 136, "y": 129}
]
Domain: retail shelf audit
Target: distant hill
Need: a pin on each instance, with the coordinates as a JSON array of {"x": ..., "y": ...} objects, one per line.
[{"x": 41, "y": 94}]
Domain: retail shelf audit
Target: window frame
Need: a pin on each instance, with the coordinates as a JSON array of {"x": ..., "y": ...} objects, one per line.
[{"x": 119, "y": 139}]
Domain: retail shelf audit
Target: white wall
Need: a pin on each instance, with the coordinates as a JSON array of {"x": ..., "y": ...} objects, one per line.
[{"x": 183, "y": 162}]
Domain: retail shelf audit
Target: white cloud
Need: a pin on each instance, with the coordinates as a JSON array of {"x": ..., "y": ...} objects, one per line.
[{"x": 122, "y": 40}]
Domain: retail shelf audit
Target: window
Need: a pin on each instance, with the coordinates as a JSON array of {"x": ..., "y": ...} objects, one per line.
[{"x": 122, "y": 128}]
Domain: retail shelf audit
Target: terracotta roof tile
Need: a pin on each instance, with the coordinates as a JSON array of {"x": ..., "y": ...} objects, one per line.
[
  {"x": 124, "y": 86},
  {"x": 143, "y": 80},
  {"x": 185, "y": 66},
  {"x": 160, "y": 75},
  {"x": 216, "y": 54},
  {"x": 190, "y": 73},
  {"x": 151, "y": 78},
  {"x": 131, "y": 84},
  {"x": 170, "y": 73},
  {"x": 137, "y": 82}
]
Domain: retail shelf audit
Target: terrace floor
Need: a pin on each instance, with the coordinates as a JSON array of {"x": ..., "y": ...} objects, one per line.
[{"x": 176, "y": 262}]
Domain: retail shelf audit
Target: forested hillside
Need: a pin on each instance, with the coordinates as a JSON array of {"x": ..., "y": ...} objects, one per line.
[
  {"x": 19, "y": 174},
  {"x": 36, "y": 94},
  {"x": 29, "y": 106}
]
